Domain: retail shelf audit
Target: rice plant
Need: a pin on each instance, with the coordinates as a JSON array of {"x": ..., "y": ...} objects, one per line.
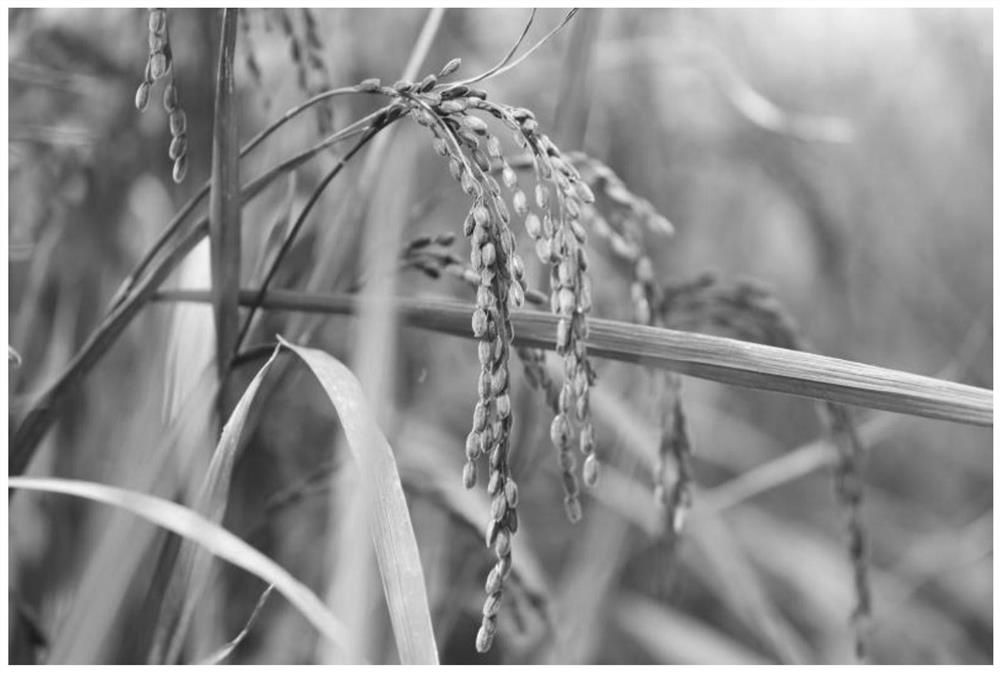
[{"x": 554, "y": 436}]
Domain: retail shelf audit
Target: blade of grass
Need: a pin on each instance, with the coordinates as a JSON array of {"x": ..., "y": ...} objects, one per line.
[
  {"x": 192, "y": 568},
  {"x": 392, "y": 531},
  {"x": 224, "y": 203},
  {"x": 214, "y": 538},
  {"x": 190, "y": 346},
  {"x": 714, "y": 358},
  {"x": 353, "y": 586}
]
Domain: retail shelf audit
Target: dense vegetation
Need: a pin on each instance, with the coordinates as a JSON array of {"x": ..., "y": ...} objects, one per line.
[{"x": 556, "y": 233}]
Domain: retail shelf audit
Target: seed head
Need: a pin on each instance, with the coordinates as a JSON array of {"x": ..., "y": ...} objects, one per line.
[
  {"x": 494, "y": 581},
  {"x": 559, "y": 431},
  {"x": 178, "y": 147},
  {"x": 481, "y": 215},
  {"x": 450, "y": 67},
  {"x": 516, "y": 296},
  {"x": 492, "y": 605},
  {"x": 170, "y": 97},
  {"x": 157, "y": 20},
  {"x": 180, "y": 168},
  {"x": 427, "y": 83},
  {"x": 142, "y": 96},
  {"x": 178, "y": 122},
  {"x": 484, "y": 639},
  {"x": 591, "y": 470},
  {"x": 469, "y": 474},
  {"x": 158, "y": 64},
  {"x": 474, "y": 124},
  {"x": 510, "y": 493},
  {"x": 573, "y": 510},
  {"x": 498, "y": 507},
  {"x": 501, "y": 545},
  {"x": 503, "y": 406},
  {"x": 157, "y": 42}
]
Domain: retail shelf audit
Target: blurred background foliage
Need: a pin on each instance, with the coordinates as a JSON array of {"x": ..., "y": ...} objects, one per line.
[{"x": 843, "y": 157}]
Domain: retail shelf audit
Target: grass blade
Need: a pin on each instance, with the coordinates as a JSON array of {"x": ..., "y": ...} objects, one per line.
[
  {"x": 224, "y": 201},
  {"x": 191, "y": 332},
  {"x": 392, "y": 532},
  {"x": 214, "y": 538},
  {"x": 193, "y": 566}
]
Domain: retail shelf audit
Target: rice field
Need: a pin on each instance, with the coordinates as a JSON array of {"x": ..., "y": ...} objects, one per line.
[{"x": 499, "y": 336}]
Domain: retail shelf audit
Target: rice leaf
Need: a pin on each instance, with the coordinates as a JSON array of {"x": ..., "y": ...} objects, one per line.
[
  {"x": 191, "y": 331},
  {"x": 193, "y": 565},
  {"x": 224, "y": 200},
  {"x": 392, "y": 531},
  {"x": 191, "y": 525}
]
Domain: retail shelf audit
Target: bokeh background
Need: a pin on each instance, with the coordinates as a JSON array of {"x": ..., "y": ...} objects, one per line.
[{"x": 843, "y": 157}]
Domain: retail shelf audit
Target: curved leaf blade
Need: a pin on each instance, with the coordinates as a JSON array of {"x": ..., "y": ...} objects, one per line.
[
  {"x": 193, "y": 566},
  {"x": 392, "y": 531},
  {"x": 214, "y": 538}
]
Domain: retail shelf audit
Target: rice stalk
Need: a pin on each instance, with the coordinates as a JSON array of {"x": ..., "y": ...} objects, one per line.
[
  {"x": 729, "y": 361},
  {"x": 224, "y": 205}
]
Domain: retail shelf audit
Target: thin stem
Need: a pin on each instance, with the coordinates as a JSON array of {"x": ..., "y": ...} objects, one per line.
[
  {"x": 510, "y": 66},
  {"x": 714, "y": 358},
  {"x": 506, "y": 59}
]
